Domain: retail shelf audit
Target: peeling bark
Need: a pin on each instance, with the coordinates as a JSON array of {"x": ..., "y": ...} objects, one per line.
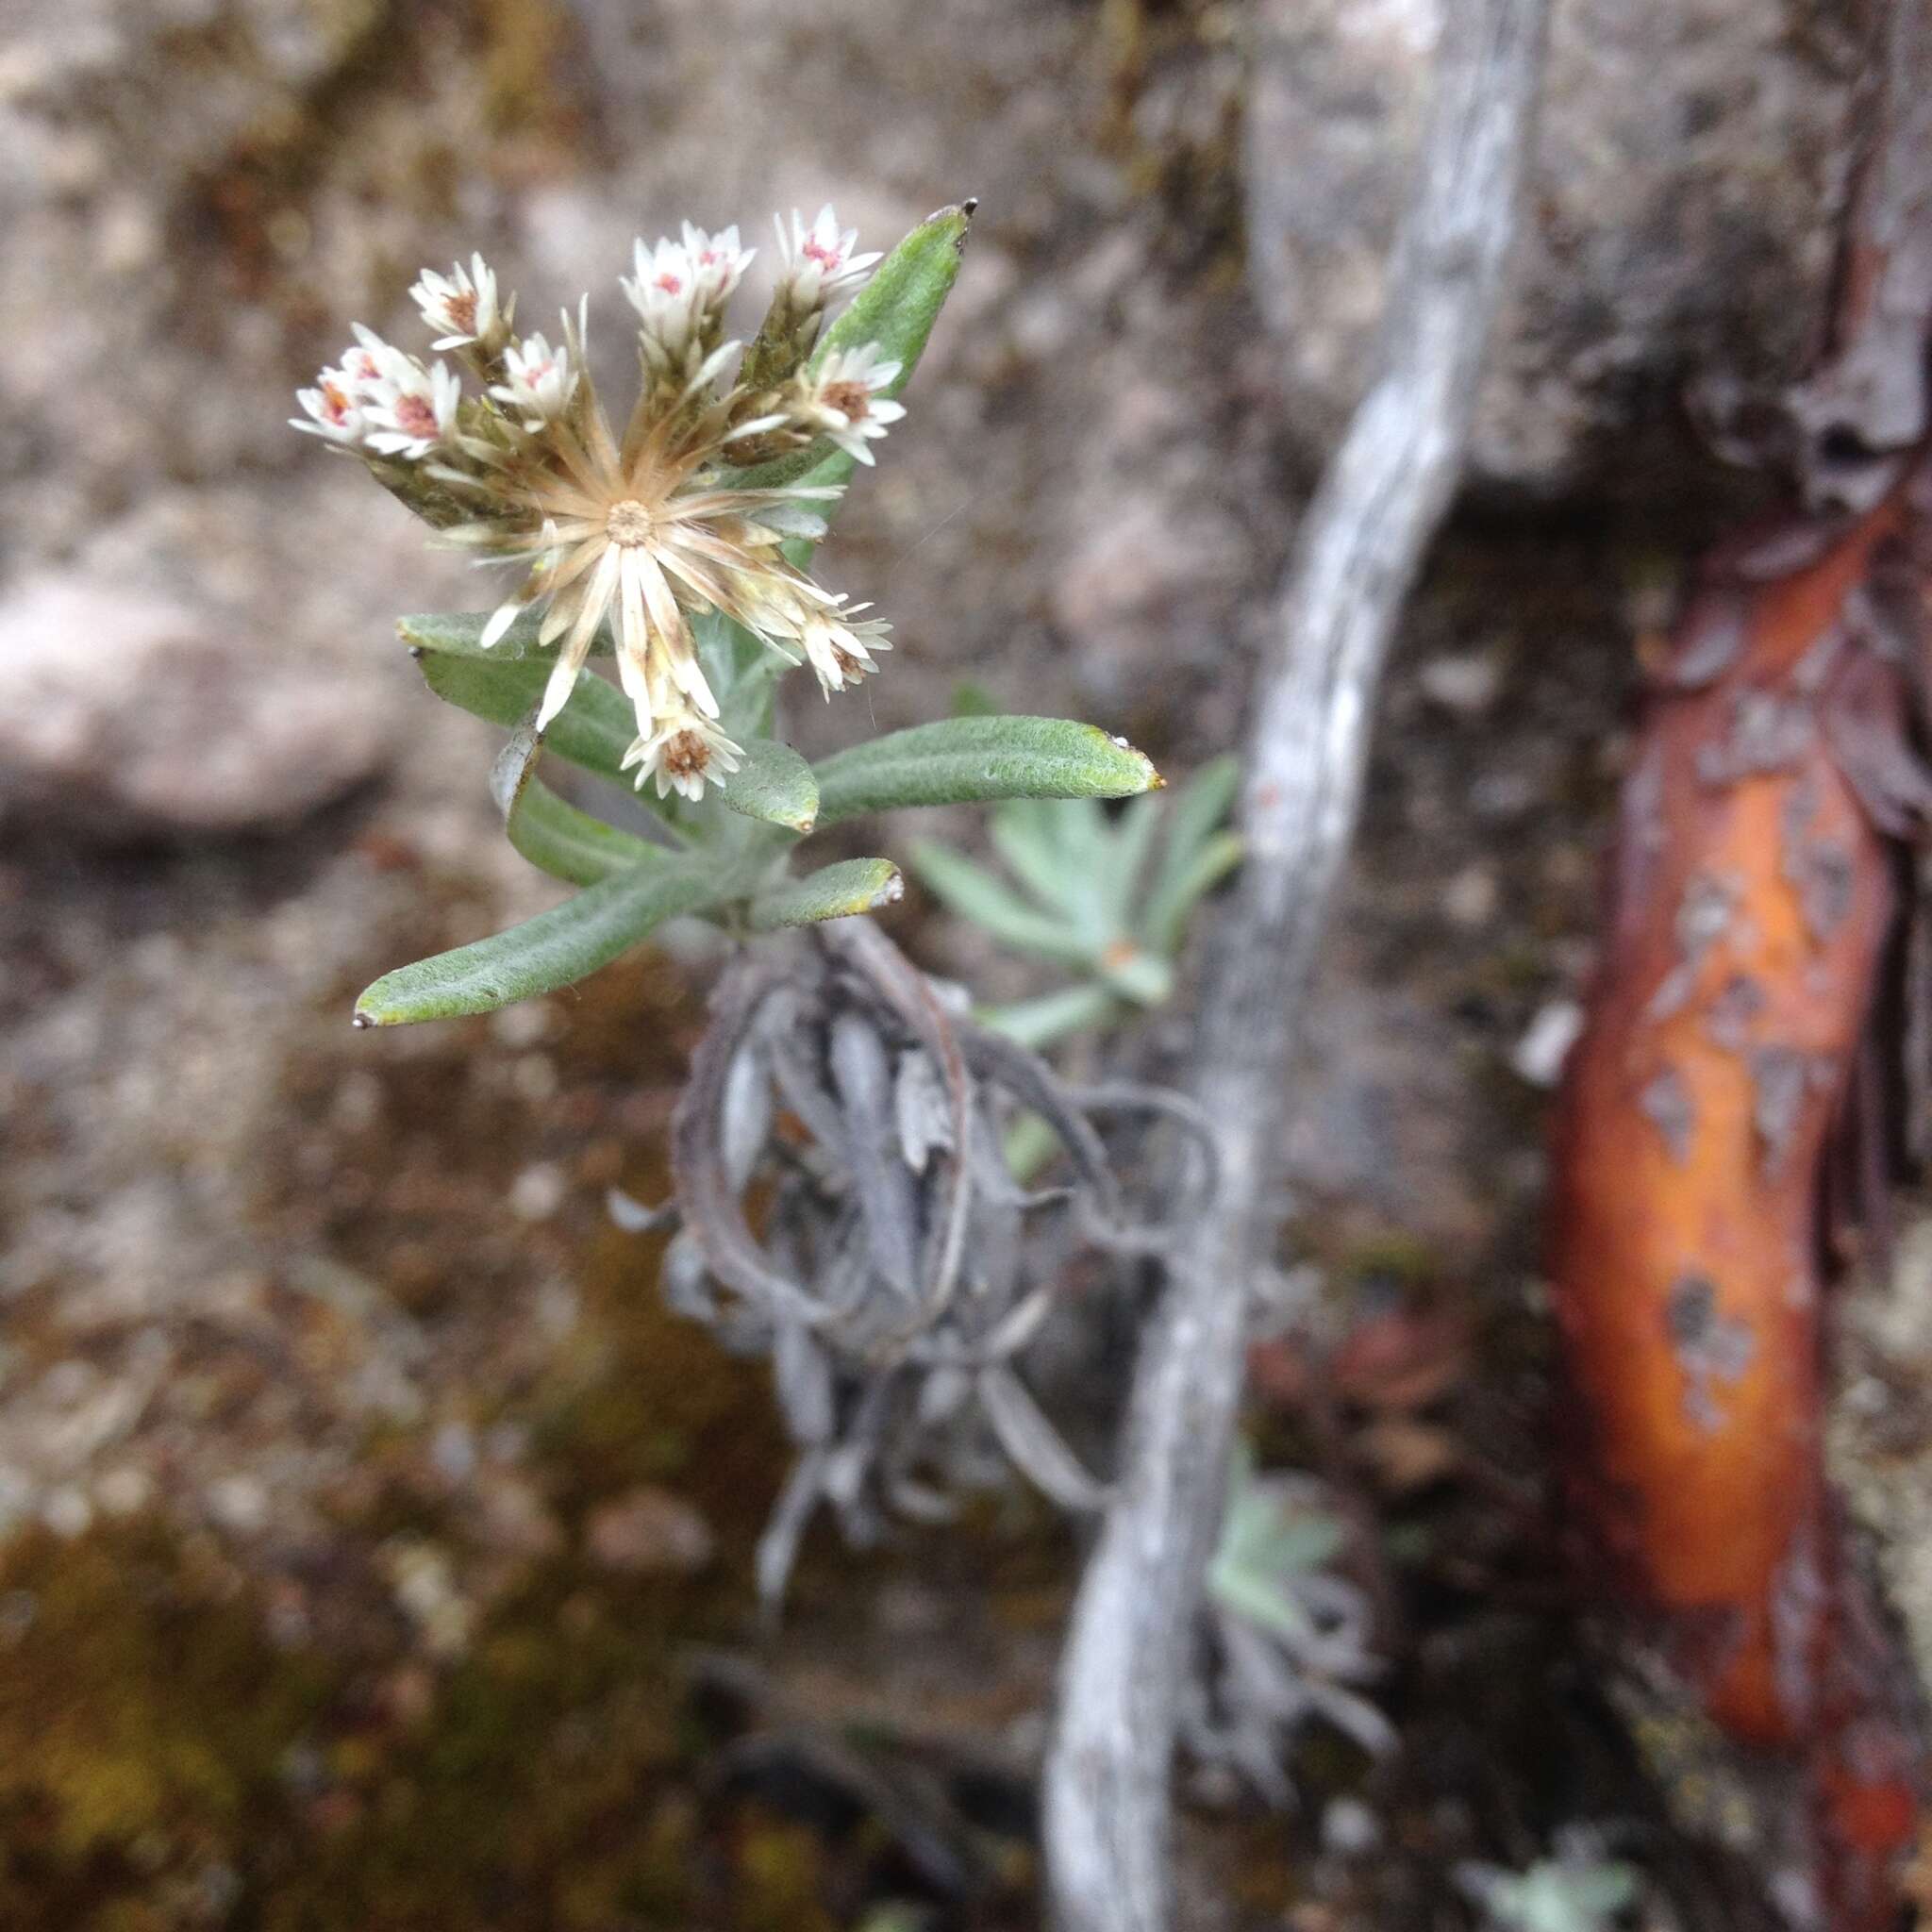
[
  {"x": 1754, "y": 901},
  {"x": 1723, "y": 1107}
]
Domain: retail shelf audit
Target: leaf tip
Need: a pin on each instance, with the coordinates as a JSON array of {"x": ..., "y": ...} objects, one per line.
[
  {"x": 957, "y": 213},
  {"x": 361, "y": 1019},
  {"x": 1154, "y": 782}
]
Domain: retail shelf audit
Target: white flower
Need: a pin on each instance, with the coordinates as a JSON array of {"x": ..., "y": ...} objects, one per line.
[
  {"x": 668, "y": 294},
  {"x": 680, "y": 288},
  {"x": 820, "y": 260},
  {"x": 333, "y": 407},
  {"x": 629, "y": 532},
  {"x": 364, "y": 359},
  {"x": 842, "y": 402},
  {"x": 684, "y": 751},
  {"x": 839, "y": 651},
  {"x": 541, "y": 381},
  {"x": 717, "y": 262},
  {"x": 463, "y": 305},
  {"x": 411, "y": 409}
]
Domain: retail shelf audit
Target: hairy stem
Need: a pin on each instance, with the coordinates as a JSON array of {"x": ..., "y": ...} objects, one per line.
[{"x": 1106, "y": 1796}]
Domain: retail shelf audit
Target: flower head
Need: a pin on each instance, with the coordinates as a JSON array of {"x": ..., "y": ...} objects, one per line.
[
  {"x": 539, "y": 381},
  {"x": 334, "y": 408},
  {"x": 415, "y": 411},
  {"x": 843, "y": 401},
  {"x": 679, "y": 290},
  {"x": 685, "y": 752},
  {"x": 463, "y": 306},
  {"x": 821, "y": 261},
  {"x": 645, "y": 530},
  {"x": 839, "y": 651}
]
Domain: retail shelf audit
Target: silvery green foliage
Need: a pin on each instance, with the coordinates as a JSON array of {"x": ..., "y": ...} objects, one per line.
[
  {"x": 1579, "y": 1889},
  {"x": 1105, "y": 899},
  {"x": 897, "y": 1282},
  {"x": 1288, "y": 1640},
  {"x": 724, "y": 850}
]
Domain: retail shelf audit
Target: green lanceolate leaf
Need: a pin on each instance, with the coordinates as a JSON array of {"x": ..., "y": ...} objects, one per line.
[
  {"x": 570, "y": 844},
  {"x": 1027, "y": 834},
  {"x": 553, "y": 834},
  {"x": 1131, "y": 836},
  {"x": 1196, "y": 855},
  {"x": 460, "y": 634},
  {"x": 896, "y": 309},
  {"x": 1063, "y": 853},
  {"x": 595, "y": 729},
  {"x": 968, "y": 760},
  {"x": 976, "y": 894},
  {"x": 1165, "y": 918},
  {"x": 834, "y": 892},
  {"x": 556, "y": 949},
  {"x": 773, "y": 785},
  {"x": 1200, "y": 806},
  {"x": 1038, "y": 1023}
]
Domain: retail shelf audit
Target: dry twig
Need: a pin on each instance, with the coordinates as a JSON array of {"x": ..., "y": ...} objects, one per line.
[{"x": 1128, "y": 1656}]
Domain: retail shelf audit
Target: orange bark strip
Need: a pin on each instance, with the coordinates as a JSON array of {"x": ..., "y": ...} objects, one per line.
[
  {"x": 1755, "y": 896},
  {"x": 1753, "y": 902}
]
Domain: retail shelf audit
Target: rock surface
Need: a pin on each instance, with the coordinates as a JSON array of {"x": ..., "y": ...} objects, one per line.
[
  {"x": 125, "y": 715},
  {"x": 1683, "y": 207}
]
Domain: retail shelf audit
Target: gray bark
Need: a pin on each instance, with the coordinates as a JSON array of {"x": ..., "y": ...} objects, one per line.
[{"x": 1107, "y": 1789}]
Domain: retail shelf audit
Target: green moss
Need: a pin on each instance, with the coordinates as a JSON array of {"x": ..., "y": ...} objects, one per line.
[{"x": 142, "y": 1714}]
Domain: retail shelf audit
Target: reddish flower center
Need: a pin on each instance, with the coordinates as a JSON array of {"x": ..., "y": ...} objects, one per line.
[
  {"x": 826, "y": 257},
  {"x": 414, "y": 417},
  {"x": 461, "y": 307}
]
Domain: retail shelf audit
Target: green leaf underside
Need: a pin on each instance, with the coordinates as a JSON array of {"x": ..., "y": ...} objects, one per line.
[
  {"x": 546, "y": 953},
  {"x": 570, "y": 844},
  {"x": 595, "y": 729},
  {"x": 773, "y": 785},
  {"x": 835, "y": 891},
  {"x": 743, "y": 673},
  {"x": 968, "y": 760},
  {"x": 896, "y": 309}
]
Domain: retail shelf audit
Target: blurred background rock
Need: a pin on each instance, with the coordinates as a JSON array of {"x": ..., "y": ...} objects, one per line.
[{"x": 355, "y": 1500}]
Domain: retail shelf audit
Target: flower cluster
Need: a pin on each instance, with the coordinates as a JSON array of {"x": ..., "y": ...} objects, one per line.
[{"x": 647, "y": 529}]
